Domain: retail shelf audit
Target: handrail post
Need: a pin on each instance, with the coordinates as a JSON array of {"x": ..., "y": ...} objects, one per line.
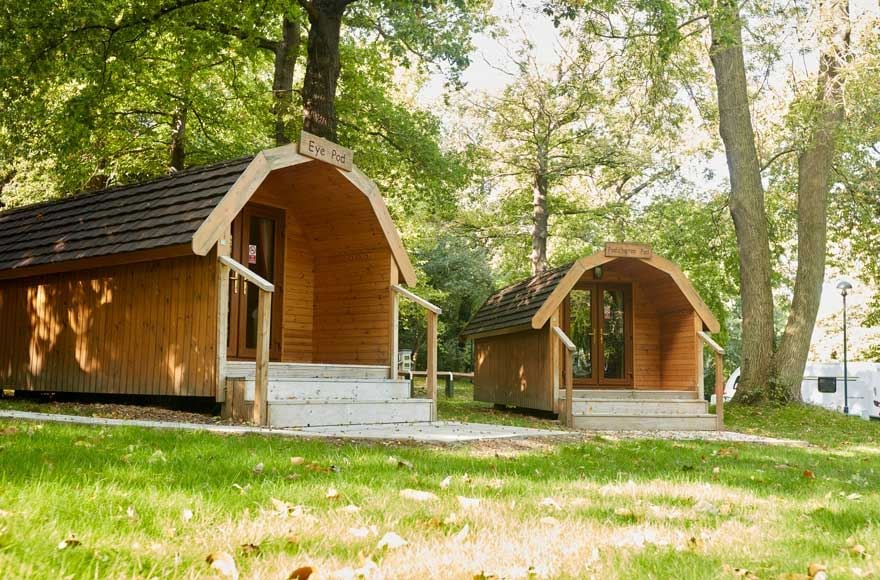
[
  {"x": 261, "y": 378},
  {"x": 431, "y": 369},
  {"x": 719, "y": 391},
  {"x": 568, "y": 365},
  {"x": 719, "y": 378}
]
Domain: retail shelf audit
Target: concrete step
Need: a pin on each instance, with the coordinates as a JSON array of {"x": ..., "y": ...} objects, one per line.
[
  {"x": 640, "y": 407},
  {"x": 246, "y": 369},
  {"x": 632, "y": 394},
  {"x": 602, "y": 422},
  {"x": 348, "y": 412},
  {"x": 281, "y": 389}
]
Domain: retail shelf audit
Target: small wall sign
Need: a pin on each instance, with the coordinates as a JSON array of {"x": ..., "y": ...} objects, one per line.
[
  {"x": 326, "y": 151},
  {"x": 627, "y": 250},
  {"x": 252, "y": 253}
]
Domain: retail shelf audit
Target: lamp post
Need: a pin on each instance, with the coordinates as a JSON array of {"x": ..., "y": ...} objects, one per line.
[{"x": 844, "y": 288}]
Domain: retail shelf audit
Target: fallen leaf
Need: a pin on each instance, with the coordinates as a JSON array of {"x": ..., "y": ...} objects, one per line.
[
  {"x": 349, "y": 509},
  {"x": 301, "y": 573},
  {"x": 359, "y": 532},
  {"x": 403, "y": 463},
  {"x": 706, "y": 507},
  {"x": 391, "y": 541},
  {"x": 282, "y": 507},
  {"x": 131, "y": 513},
  {"x": 83, "y": 443},
  {"x": 809, "y": 474},
  {"x": 716, "y": 470},
  {"x": 223, "y": 563},
  {"x": 447, "y": 481},
  {"x": 550, "y": 502},
  {"x": 332, "y": 493},
  {"x": 417, "y": 495},
  {"x": 250, "y": 549},
  {"x": 624, "y": 512},
  {"x": 854, "y": 496},
  {"x": 461, "y": 535},
  {"x": 297, "y": 460},
  {"x": 258, "y": 468},
  {"x": 468, "y": 502},
  {"x": 70, "y": 542},
  {"x": 814, "y": 571},
  {"x": 186, "y": 515},
  {"x": 858, "y": 550}
]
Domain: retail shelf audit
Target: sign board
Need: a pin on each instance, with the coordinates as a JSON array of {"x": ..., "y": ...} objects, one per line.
[
  {"x": 252, "y": 254},
  {"x": 626, "y": 250},
  {"x": 827, "y": 384},
  {"x": 326, "y": 151}
]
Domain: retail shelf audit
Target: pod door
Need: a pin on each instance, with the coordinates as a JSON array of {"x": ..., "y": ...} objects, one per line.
[{"x": 598, "y": 318}]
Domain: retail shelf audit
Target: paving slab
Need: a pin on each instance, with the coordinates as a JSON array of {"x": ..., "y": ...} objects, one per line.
[{"x": 436, "y": 432}]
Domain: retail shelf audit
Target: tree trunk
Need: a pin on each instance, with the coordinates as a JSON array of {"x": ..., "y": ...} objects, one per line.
[
  {"x": 746, "y": 202},
  {"x": 540, "y": 216},
  {"x": 814, "y": 171},
  {"x": 177, "y": 150},
  {"x": 322, "y": 66},
  {"x": 286, "y": 54}
]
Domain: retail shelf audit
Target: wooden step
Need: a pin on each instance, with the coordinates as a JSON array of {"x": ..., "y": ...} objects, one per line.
[
  {"x": 602, "y": 422},
  {"x": 348, "y": 412},
  {"x": 640, "y": 407},
  {"x": 246, "y": 369},
  {"x": 282, "y": 389},
  {"x": 632, "y": 394}
]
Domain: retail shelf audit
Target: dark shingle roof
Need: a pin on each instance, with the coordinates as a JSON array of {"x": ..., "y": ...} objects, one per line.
[
  {"x": 516, "y": 304},
  {"x": 163, "y": 212}
]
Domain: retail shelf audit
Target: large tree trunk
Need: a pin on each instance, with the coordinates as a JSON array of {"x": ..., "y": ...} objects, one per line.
[
  {"x": 746, "y": 201},
  {"x": 322, "y": 66},
  {"x": 814, "y": 171},
  {"x": 177, "y": 149},
  {"x": 540, "y": 215},
  {"x": 286, "y": 53}
]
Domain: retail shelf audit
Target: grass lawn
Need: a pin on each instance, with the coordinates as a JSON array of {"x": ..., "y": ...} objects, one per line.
[{"x": 86, "y": 502}]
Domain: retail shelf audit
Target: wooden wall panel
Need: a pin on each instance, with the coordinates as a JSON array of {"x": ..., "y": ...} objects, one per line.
[
  {"x": 646, "y": 340},
  {"x": 679, "y": 347},
  {"x": 515, "y": 369},
  {"x": 353, "y": 308},
  {"x": 146, "y": 328}
]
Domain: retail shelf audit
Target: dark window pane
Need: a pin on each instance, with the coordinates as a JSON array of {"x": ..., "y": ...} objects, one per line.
[
  {"x": 260, "y": 257},
  {"x": 613, "y": 337},
  {"x": 582, "y": 333}
]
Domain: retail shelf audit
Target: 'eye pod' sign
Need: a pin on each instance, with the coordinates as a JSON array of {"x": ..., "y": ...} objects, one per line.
[{"x": 326, "y": 151}]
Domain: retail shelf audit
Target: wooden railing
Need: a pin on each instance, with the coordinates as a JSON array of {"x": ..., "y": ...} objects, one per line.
[
  {"x": 719, "y": 378},
  {"x": 568, "y": 372},
  {"x": 264, "y": 331},
  {"x": 433, "y": 314}
]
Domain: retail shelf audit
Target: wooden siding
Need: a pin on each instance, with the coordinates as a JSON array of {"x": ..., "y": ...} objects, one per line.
[
  {"x": 144, "y": 329},
  {"x": 679, "y": 350},
  {"x": 515, "y": 369},
  {"x": 647, "y": 373},
  {"x": 337, "y": 306},
  {"x": 353, "y": 308}
]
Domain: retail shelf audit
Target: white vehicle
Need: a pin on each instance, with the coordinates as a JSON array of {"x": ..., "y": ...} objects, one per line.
[{"x": 822, "y": 385}]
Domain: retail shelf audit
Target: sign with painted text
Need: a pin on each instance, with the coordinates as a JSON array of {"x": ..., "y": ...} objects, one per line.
[
  {"x": 326, "y": 151},
  {"x": 626, "y": 250}
]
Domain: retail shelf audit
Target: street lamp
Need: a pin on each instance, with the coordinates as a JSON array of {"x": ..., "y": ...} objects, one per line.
[{"x": 844, "y": 288}]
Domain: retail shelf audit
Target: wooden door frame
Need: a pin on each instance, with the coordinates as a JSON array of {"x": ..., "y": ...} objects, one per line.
[
  {"x": 238, "y": 321},
  {"x": 596, "y": 288}
]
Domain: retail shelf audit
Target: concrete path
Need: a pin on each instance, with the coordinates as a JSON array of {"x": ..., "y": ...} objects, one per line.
[{"x": 437, "y": 432}]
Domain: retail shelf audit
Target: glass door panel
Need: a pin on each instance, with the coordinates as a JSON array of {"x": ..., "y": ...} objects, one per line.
[
  {"x": 613, "y": 350},
  {"x": 581, "y": 325},
  {"x": 261, "y": 260}
]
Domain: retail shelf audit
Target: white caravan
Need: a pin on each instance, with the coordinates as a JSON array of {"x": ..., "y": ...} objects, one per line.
[{"x": 823, "y": 386}]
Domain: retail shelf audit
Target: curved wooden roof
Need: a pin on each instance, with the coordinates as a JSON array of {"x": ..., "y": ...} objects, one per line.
[
  {"x": 530, "y": 303},
  {"x": 183, "y": 213}
]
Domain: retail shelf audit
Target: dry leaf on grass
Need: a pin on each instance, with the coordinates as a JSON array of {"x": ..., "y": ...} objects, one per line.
[
  {"x": 417, "y": 495},
  {"x": 468, "y": 502},
  {"x": 809, "y": 474},
  {"x": 461, "y": 534},
  {"x": 70, "y": 542},
  {"x": 332, "y": 493},
  {"x": 349, "y": 509},
  {"x": 186, "y": 515},
  {"x": 391, "y": 541},
  {"x": 223, "y": 563},
  {"x": 551, "y": 503},
  {"x": 250, "y": 549},
  {"x": 301, "y": 573},
  {"x": 297, "y": 460},
  {"x": 258, "y": 468},
  {"x": 447, "y": 481}
]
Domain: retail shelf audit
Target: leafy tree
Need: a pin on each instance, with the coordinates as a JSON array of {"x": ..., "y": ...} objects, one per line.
[{"x": 770, "y": 371}]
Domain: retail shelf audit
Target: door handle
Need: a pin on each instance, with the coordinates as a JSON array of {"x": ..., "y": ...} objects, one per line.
[{"x": 233, "y": 276}]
